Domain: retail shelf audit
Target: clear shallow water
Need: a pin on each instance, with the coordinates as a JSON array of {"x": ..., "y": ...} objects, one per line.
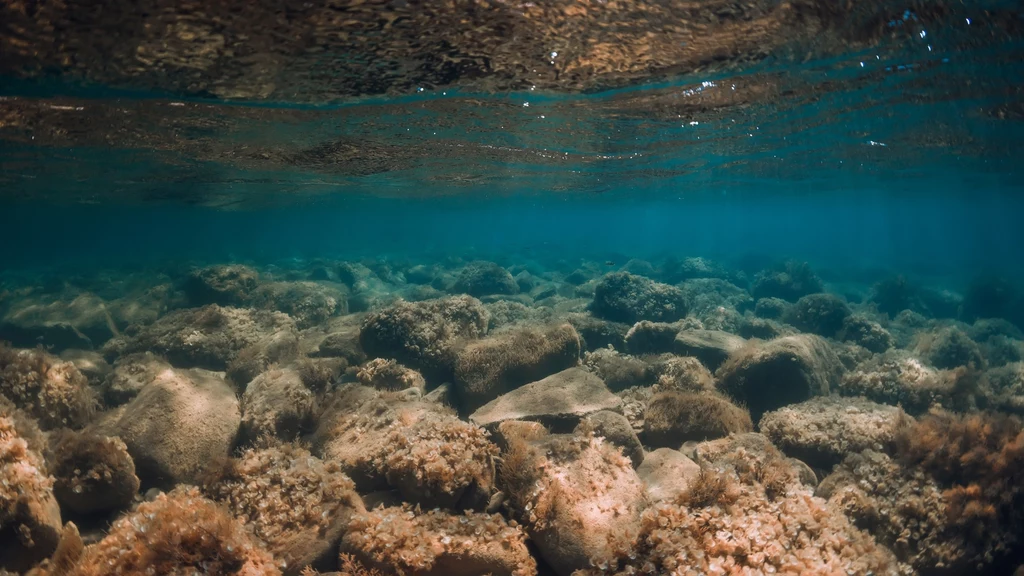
[{"x": 351, "y": 154}]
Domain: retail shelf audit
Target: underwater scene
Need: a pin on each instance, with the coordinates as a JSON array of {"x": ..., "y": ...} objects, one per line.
[{"x": 511, "y": 288}]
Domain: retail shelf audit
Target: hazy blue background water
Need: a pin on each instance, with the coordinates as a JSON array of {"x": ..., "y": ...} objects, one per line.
[{"x": 900, "y": 157}]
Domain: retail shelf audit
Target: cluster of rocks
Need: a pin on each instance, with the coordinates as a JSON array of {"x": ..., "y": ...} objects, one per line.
[{"x": 560, "y": 420}]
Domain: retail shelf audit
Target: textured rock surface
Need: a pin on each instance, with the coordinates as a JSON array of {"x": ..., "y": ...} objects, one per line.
[{"x": 559, "y": 401}]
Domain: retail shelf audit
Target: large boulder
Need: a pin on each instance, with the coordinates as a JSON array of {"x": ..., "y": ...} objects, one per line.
[
  {"x": 558, "y": 401},
  {"x": 209, "y": 337},
  {"x": 581, "y": 500},
  {"x": 711, "y": 347},
  {"x": 309, "y": 303},
  {"x": 673, "y": 417},
  {"x": 768, "y": 375},
  {"x": 667, "y": 474},
  {"x": 483, "y": 279},
  {"x": 488, "y": 368},
  {"x": 822, "y": 431},
  {"x": 424, "y": 335},
  {"x": 277, "y": 404},
  {"x": 625, "y": 297},
  {"x": 821, "y": 314},
  {"x": 52, "y": 391},
  {"x": 92, "y": 473},
  {"x": 30, "y": 520},
  {"x": 226, "y": 285},
  {"x": 179, "y": 423}
]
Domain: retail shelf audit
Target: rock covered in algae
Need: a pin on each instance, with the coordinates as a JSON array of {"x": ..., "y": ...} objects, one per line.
[
  {"x": 616, "y": 429},
  {"x": 308, "y": 303},
  {"x": 946, "y": 498},
  {"x": 423, "y": 335},
  {"x": 177, "y": 424},
  {"x": 667, "y": 474},
  {"x": 898, "y": 377},
  {"x": 209, "y": 337},
  {"x": 30, "y": 520},
  {"x": 487, "y": 368},
  {"x": 51, "y": 390},
  {"x": 673, "y": 417},
  {"x": 383, "y": 439},
  {"x": 577, "y": 495},
  {"x": 385, "y": 374},
  {"x": 438, "y": 543},
  {"x": 824, "y": 430},
  {"x": 772, "y": 374},
  {"x": 92, "y": 473},
  {"x": 226, "y": 285},
  {"x": 711, "y": 347},
  {"x": 625, "y": 297},
  {"x": 484, "y": 278},
  {"x": 180, "y": 532},
  {"x": 277, "y": 404},
  {"x": 296, "y": 504}
]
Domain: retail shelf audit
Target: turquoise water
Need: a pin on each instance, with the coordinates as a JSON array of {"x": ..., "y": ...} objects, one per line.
[{"x": 358, "y": 284}]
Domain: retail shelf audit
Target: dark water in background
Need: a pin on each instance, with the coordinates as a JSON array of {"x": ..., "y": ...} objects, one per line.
[{"x": 898, "y": 154}]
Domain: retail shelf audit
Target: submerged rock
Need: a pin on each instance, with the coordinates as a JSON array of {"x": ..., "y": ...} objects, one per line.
[
  {"x": 821, "y": 314},
  {"x": 823, "y": 431},
  {"x": 789, "y": 281},
  {"x": 487, "y": 368},
  {"x": 674, "y": 417},
  {"x": 230, "y": 285},
  {"x": 772, "y": 374},
  {"x": 179, "y": 422},
  {"x": 616, "y": 429},
  {"x": 485, "y": 278},
  {"x": 209, "y": 337},
  {"x": 558, "y": 401},
  {"x": 424, "y": 335},
  {"x": 92, "y": 473},
  {"x": 624, "y": 297},
  {"x": 30, "y": 522},
  {"x": 277, "y": 404},
  {"x": 52, "y": 391},
  {"x": 667, "y": 474},
  {"x": 711, "y": 347}
]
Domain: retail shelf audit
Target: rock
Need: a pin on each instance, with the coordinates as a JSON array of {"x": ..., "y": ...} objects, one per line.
[
  {"x": 308, "y": 303},
  {"x": 52, "y": 391},
  {"x": 485, "y": 369},
  {"x": 646, "y": 337},
  {"x": 296, "y": 504},
  {"x": 423, "y": 335},
  {"x": 768, "y": 375},
  {"x": 1004, "y": 388},
  {"x": 417, "y": 446},
  {"x": 209, "y": 337},
  {"x": 389, "y": 375},
  {"x": 683, "y": 373},
  {"x": 823, "y": 431},
  {"x": 422, "y": 274},
  {"x": 789, "y": 281},
  {"x": 667, "y": 474},
  {"x": 674, "y": 417},
  {"x": 821, "y": 314},
  {"x": 437, "y": 543},
  {"x": 711, "y": 347},
  {"x": 585, "y": 505},
  {"x": 277, "y": 404},
  {"x": 597, "y": 333},
  {"x": 92, "y": 474},
  {"x": 131, "y": 373},
  {"x": 897, "y": 377},
  {"x": 614, "y": 428},
  {"x": 558, "y": 401},
  {"x": 276, "y": 349},
  {"x": 624, "y": 297},
  {"x": 224, "y": 285},
  {"x": 771, "y": 308},
  {"x": 867, "y": 333},
  {"x": 950, "y": 348},
  {"x": 619, "y": 371},
  {"x": 485, "y": 278},
  {"x": 178, "y": 423},
  {"x": 91, "y": 364},
  {"x": 30, "y": 522}
]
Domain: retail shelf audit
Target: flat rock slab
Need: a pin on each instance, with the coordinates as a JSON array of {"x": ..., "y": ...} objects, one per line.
[
  {"x": 558, "y": 401},
  {"x": 711, "y": 347}
]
